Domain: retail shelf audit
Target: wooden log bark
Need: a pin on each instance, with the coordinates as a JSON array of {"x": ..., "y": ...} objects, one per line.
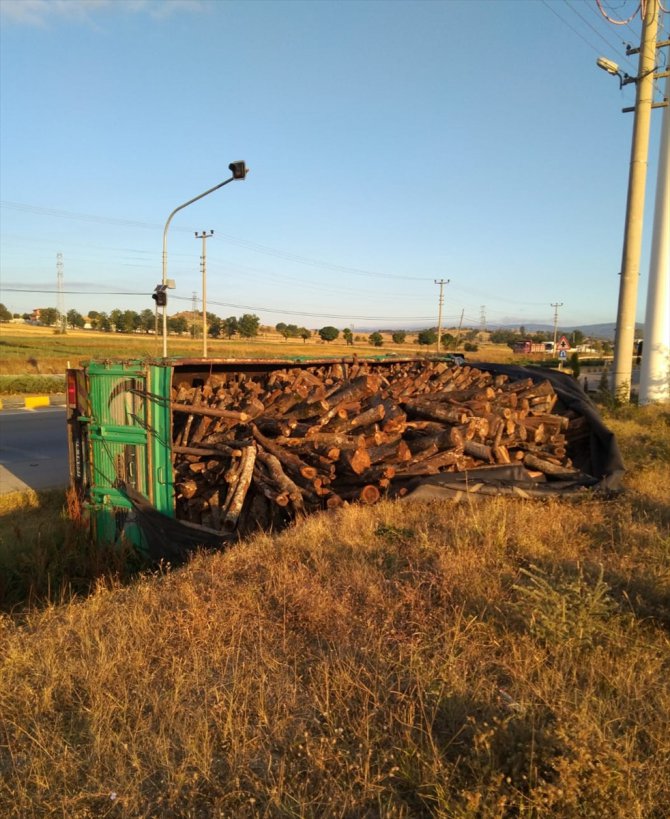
[
  {"x": 450, "y": 415},
  {"x": 289, "y": 460},
  {"x": 234, "y": 508},
  {"x": 531, "y": 461},
  {"x": 281, "y": 479},
  {"x": 214, "y": 413}
]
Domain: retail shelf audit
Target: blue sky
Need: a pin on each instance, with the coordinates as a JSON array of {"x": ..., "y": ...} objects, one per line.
[{"x": 390, "y": 144}]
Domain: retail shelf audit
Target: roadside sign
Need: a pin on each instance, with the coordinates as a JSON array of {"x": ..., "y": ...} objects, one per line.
[
  {"x": 562, "y": 354},
  {"x": 563, "y": 344}
]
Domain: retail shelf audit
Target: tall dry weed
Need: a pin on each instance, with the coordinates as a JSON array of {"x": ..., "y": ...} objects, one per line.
[{"x": 500, "y": 659}]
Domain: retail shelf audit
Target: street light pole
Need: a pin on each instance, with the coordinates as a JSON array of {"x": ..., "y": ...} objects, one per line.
[
  {"x": 632, "y": 246},
  {"x": 239, "y": 171},
  {"x": 204, "y": 236}
]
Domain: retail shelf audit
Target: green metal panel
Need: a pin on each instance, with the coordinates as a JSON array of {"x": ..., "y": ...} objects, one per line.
[
  {"x": 160, "y": 451},
  {"x": 130, "y": 442}
]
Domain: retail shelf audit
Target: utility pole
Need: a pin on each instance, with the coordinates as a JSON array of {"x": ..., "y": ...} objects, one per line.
[
  {"x": 632, "y": 245},
  {"x": 460, "y": 327},
  {"x": 482, "y": 318},
  {"x": 441, "y": 282},
  {"x": 654, "y": 375},
  {"x": 203, "y": 264},
  {"x": 194, "y": 310},
  {"x": 60, "y": 298},
  {"x": 556, "y": 305}
]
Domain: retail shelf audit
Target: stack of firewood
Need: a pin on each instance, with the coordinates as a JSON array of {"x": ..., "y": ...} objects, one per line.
[{"x": 256, "y": 450}]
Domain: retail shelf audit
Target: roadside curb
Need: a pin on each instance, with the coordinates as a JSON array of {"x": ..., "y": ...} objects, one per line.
[{"x": 32, "y": 401}]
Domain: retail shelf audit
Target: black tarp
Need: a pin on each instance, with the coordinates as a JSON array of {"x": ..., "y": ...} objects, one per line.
[
  {"x": 166, "y": 538},
  {"x": 597, "y": 458}
]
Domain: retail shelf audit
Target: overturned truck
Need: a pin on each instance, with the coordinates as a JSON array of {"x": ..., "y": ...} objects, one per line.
[{"x": 174, "y": 454}]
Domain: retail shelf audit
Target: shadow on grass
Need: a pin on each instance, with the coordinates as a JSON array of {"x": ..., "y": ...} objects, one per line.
[{"x": 47, "y": 555}]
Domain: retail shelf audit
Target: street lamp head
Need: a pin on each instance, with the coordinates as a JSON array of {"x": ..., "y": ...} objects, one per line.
[
  {"x": 238, "y": 169},
  {"x": 608, "y": 65}
]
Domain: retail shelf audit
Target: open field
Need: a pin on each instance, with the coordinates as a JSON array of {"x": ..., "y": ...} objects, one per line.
[
  {"x": 497, "y": 659},
  {"x": 39, "y": 350}
]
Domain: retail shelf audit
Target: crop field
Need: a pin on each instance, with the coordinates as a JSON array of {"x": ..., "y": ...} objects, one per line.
[
  {"x": 495, "y": 659},
  {"x": 41, "y": 351}
]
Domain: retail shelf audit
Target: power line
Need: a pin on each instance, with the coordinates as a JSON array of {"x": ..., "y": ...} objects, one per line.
[
  {"x": 245, "y": 243},
  {"x": 225, "y": 304},
  {"x": 616, "y": 48},
  {"x": 571, "y": 27}
]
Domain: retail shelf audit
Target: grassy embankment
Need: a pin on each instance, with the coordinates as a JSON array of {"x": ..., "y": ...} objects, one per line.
[{"x": 499, "y": 659}]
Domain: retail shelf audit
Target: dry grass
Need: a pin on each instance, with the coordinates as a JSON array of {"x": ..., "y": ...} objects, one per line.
[{"x": 496, "y": 660}]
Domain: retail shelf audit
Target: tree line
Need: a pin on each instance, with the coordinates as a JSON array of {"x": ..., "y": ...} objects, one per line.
[{"x": 146, "y": 321}]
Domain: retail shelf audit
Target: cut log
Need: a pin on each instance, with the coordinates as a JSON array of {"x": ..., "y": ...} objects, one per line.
[
  {"x": 450, "y": 415},
  {"x": 281, "y": 479},
  {"x": 548, "y": 467},
  {"x": 214, "y": 413}
]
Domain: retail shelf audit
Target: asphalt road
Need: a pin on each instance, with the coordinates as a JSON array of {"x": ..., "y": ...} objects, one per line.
[{"x": 33, "y": 449}]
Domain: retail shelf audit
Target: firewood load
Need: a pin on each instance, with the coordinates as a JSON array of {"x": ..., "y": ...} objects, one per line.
[{"x": 257, "y": 450}]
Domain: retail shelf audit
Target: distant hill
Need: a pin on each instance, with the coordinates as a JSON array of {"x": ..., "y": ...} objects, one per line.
[
  {"x": 605, "y": 331},
  {"x": 602, "y": 331}
]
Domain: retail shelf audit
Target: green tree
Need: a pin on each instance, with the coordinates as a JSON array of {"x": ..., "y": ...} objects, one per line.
[
  {"x": 214, "y": 326},
  {"x": 448, "y": 341},
  {"x": 427, "y": 337},
  {"x": 348, "y": 336},
  {"x": 305, "y": 334},
  {"x": 177, "y": 324},
  {"x": 577, "y": 338},
  {"x": 329, "y": 333},
  {"x": 399, "y": 337},
  {"x": 508, "y": 337},
  {"x": 5, "y": 315},
  {"x": 230, "y": 326},
  {"x": 147, "y": 320},
  {"x": 116, "y": 320},
  {"x": 75, "y": 319},
  {"x": 94, "y": 319},
  {"x": 131, "y": 321},
  {"x": 280, "y": 327},
  {"x": 248, "y": 325},
  {"x": 574, "y": 364},
  {"x": 376, "y": 339},
  {"x": 49, "y": 316}
]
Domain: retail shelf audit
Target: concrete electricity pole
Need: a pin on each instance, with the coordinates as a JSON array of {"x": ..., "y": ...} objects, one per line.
[
  {"x": 556, "y": 305},
  {"x": 632, "y": 246},
  {"x": 203, "y": 264},
  {"x": 655, "y": 369},
  {"x": 441, "y": 282}
]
